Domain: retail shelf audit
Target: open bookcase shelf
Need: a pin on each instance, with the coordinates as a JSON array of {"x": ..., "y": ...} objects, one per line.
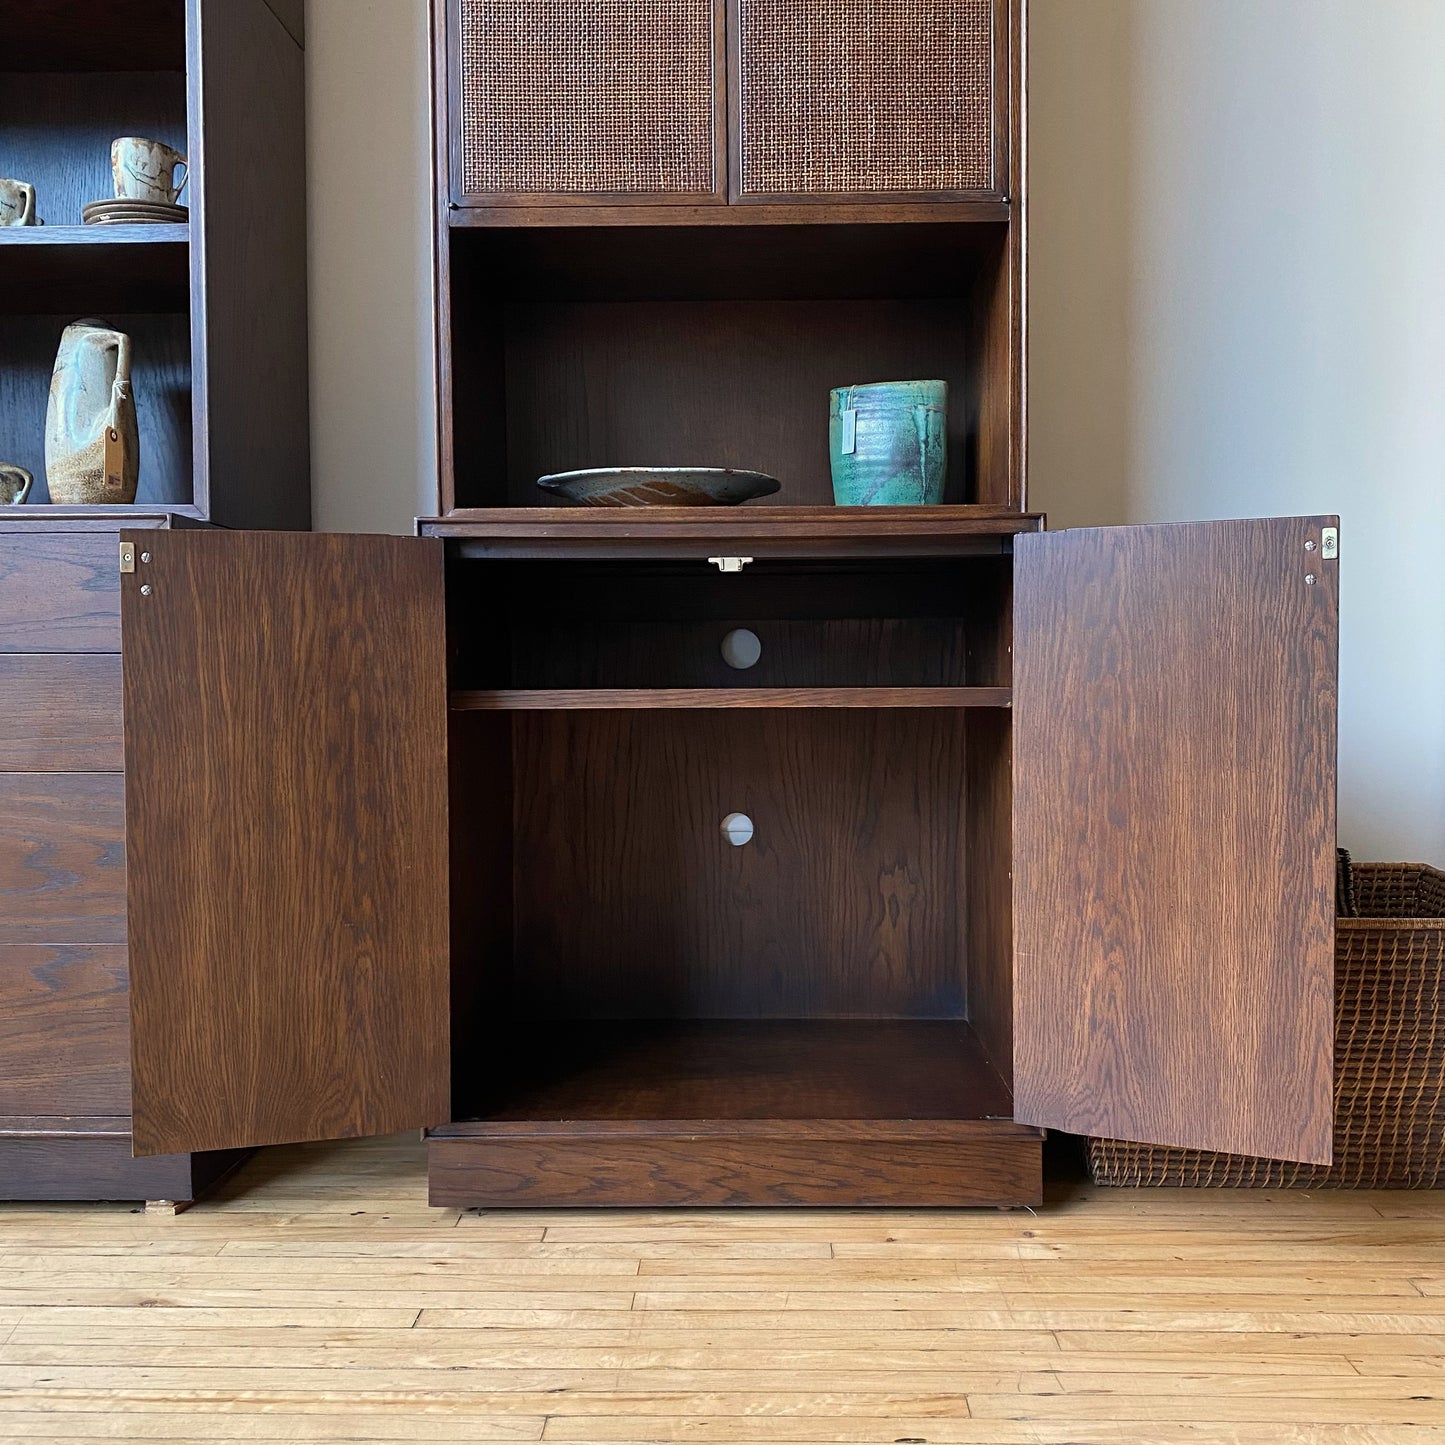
[{"x": 215, "y": 307}]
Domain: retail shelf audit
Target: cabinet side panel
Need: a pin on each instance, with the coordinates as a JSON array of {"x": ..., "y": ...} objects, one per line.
[
  {"x": 1174, "y": 827},
  {"x": 249, "y": 229},
  {"x": 285, "y": 715}
]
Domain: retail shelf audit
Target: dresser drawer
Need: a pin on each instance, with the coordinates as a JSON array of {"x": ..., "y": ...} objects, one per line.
[
  {"x": 61, "y": 713},
  {"x": 62, "y": 858},
  {"x": 64, "y": 1030},
  {"x": 59, "y": 592}
]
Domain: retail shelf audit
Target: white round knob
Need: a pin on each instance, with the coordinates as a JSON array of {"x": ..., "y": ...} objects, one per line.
[
  {"x": 737, "y": 828},
  {"x": 741, "y": 648}
]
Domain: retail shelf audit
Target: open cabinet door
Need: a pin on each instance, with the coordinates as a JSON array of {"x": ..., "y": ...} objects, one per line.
[
  {"x": 1174, "y": 834},
  {"x": 286, "y": 836}
]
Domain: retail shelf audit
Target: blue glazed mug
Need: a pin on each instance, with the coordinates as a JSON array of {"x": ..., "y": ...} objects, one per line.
[{"x": 888, "y": 443}]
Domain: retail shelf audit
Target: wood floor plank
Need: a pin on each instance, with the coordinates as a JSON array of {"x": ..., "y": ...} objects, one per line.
[{"x": 318, "y": 1298}]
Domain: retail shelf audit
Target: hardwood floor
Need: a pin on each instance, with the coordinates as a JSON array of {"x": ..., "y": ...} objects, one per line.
[{"x": 319, "y": 1299}]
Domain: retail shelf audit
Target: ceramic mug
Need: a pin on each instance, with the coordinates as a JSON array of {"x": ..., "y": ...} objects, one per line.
[
  {"x": 17, "y": 204},
  {"x": 15, "y": 484},
  {"x": 145, "y": 170}
]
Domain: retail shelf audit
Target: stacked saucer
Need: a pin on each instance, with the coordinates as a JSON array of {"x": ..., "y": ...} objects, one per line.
[{"x": 131, "y": 213}]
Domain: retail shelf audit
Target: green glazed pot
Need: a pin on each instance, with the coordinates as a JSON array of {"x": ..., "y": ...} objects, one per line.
[{"x": 888, "y": 443}]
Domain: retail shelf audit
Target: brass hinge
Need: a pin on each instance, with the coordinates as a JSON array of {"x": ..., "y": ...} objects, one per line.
[{"x": 127, "y": 556}]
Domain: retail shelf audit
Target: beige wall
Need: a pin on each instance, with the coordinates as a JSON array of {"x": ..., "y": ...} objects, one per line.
[
  {"x": 1238, "y": 308},
  {"x": 373, "y": 445}
]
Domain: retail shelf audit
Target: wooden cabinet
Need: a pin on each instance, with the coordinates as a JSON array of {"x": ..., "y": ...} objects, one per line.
[
  {"x": 647, "y": 102},
  {"x": 65, "y": 1081},
  {"x": 584, "y": 100},
  {"x": 1006, "y": 875},
  {"x": 216, "y": 307},
  {"x": 893, "y": 99}
]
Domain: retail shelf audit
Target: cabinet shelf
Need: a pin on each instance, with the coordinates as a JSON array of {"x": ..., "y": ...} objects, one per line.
[
  {"x": 792, "y": 1112},
  {"x": 98, "y": 268},
  {"x": 704, "y": 532},
  {"x": 654, "y": 698},
  {"x": 735, "y": 1069}
]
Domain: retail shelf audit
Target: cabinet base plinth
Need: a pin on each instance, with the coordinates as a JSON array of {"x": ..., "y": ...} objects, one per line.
[
  {"x": 800, "y": 1163},
  {"x": 90, "y": 1159}
]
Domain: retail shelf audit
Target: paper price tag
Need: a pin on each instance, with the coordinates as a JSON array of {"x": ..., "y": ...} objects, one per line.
[
  {"x": 114, "y": 461},
  {"x": 850, "y": 432}
]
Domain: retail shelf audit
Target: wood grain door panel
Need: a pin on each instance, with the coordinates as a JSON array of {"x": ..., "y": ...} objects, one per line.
[
  {"x": 285, "y": 702},
  {"x": 62, "y": 858},
  {"x": 1174, "y": 827}
]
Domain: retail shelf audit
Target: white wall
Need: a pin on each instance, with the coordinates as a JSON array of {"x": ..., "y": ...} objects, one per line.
[{"x": 1238, "y": 308}]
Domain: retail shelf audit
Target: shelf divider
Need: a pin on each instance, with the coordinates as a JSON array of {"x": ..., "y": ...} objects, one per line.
[{"x": 655, "y": 698}]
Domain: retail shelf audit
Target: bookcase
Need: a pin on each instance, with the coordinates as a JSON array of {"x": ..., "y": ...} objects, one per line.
[
  {"x": 216, "y": 308},
  {"x": 481, "y": 830}
]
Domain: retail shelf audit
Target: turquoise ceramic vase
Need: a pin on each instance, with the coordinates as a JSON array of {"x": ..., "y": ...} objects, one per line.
[{"x": 888, "y": 442}]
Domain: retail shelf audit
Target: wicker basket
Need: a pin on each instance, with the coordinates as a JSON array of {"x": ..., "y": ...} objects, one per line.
[{"x": 1389, "y": 1056}]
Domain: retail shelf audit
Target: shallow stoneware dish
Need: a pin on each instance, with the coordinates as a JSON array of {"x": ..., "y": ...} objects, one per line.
[{"x": 659, "y": 486}]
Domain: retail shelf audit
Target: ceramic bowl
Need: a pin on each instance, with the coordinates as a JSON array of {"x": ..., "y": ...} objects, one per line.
[{"x": 659, "y": 486}]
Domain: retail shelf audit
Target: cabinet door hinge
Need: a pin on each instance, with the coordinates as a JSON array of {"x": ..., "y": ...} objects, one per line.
[
  {"x": 1329, "y": 543},
  {"x": 127, "y": 556}
]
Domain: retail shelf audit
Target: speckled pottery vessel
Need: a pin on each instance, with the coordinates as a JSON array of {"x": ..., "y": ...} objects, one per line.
[
  {"x": 15, "y": 484},
  {"x": 91, "y": 420},
  {"x": 17, "y": 204},
  {"x": 888, "y": 443}
]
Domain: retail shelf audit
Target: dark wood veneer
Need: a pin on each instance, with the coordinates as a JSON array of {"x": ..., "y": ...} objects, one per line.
[
  {"x": 728, "y": 1113},
  {"x": 59, "y": 592},
  {"x": 1174, "y": 829},
  {"x": 61, "y": 713},
  {"x": 62, "y": 858},
  {"x": 630, "y": 902},
  {"x": 64, "y": 1030},
  {"x": 290, "y": 952}
]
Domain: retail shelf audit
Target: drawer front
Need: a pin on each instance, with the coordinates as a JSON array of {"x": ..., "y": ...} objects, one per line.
[
  {"x": 61, "y": 713},
  {"x": 62, "y": 858},
  {"x": 868, "y": 97},
  {"x": 59, "y": 592},
  {"x": 568, "y": 99},
  {"x": 64, "y": 1030}
]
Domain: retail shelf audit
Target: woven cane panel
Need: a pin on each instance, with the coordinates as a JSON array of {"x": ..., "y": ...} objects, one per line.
[
  {"x": 866, "y": 95},
  {"x": 1389, "y": 1058},
  {"x": 578, "y": 96}
]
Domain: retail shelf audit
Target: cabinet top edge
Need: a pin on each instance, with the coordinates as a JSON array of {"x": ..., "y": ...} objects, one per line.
[
  {"x": 47, "y": 518},
  {"x": 717, "y": 524}
]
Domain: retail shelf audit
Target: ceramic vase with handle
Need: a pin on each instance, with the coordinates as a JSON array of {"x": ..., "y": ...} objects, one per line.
[
  {"x": 15, "y": 484},
  {"x": 17, "y": 204},
  {"x": 92, "y": 445}
]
